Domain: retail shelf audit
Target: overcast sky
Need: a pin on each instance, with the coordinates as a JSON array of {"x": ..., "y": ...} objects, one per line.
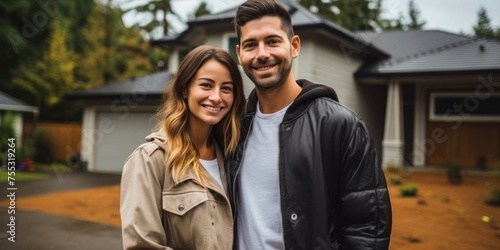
[{"x": 457, "y": 16}]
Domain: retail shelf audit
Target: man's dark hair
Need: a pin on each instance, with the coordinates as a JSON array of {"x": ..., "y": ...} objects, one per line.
[{"x": 255, "y": 9}]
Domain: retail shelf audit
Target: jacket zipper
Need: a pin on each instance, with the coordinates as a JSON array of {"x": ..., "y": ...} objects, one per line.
[{"x": 281, "y": 185}]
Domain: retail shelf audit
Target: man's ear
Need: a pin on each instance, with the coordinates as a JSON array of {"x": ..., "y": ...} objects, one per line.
[
  {"x": 295, "y": 46},
  {"x": 238, "y": 52}
]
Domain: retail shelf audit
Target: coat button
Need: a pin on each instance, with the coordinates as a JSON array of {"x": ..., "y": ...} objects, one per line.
[
  {"x": 288, "y": 129},
  {"x": 181, "y": 207},
  {"x": 294, "y": 216}
]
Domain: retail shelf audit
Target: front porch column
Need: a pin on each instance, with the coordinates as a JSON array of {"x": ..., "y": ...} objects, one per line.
[
  {"x": 88, "y": 137},
  {"x": 393, "y": 142}
]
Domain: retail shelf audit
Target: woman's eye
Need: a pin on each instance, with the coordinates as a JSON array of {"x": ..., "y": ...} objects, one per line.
[{"x": 227, "y": 89}]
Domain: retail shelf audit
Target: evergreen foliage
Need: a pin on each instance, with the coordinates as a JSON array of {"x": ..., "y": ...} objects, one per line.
[{"x": 483, "y": 28}]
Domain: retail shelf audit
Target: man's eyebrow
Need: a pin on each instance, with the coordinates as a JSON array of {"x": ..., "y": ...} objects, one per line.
[{"x": 267, "y": 37}]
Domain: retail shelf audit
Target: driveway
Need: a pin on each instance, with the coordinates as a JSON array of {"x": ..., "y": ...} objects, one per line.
[{"x": 36, "y": 230}]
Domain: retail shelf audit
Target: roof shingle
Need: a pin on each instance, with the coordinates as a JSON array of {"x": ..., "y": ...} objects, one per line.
[{"x": 420, "y": 52}]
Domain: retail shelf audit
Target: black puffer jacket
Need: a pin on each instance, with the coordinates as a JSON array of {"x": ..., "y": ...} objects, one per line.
[{"x": 333, "y": 191}]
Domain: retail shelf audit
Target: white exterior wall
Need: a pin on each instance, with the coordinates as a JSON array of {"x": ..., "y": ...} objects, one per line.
[
  {"x": 18, "y": 129},
  {"x": 95, "y": 133},
  {"x": 331, "y": 63},
  {"x": 323, "y": 62},
  {"x": 88, "y": 138}
]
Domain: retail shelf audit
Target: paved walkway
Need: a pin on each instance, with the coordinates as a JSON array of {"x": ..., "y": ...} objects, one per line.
[{"x": 35, "y": 230}]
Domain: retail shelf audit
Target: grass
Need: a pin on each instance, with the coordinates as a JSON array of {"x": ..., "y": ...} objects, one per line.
[
  {"x": 42, "y": 171},
  {"x": 50, "y": 168},
  {"x": 22, "y": 176}
]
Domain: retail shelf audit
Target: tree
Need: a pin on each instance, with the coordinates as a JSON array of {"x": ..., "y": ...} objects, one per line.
[
  {"x": 52, "y": 48},
  {"x": 201, "y": 10},
  {"x": 27, "y": 26},
  {"x": 22, "y": 38},
  {"x": 393, "y": 24},
  {"x": 52, "y": 76},
  {"x": 483, "y": 27},
  {"x": 414, "y": 13},
  {"x": 157, "y": 11},
  {"x": 112, "y": 51},
  {"x": 354, "y": 15}
]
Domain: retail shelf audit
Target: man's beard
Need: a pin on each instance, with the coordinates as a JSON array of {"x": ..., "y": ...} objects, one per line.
[{"x": 266, "y": 83}]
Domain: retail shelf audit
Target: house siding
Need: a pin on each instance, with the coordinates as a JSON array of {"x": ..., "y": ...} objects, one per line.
[
  {"x": 457, "y": 138},
  {"x": 324, "y": 62}
]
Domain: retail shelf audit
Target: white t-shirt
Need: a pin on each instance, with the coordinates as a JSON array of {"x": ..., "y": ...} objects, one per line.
[
  {"x": 212, "y": 168},
  {"x": 259, "y": 209}
]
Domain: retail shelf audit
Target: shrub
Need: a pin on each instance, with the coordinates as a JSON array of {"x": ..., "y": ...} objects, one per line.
[
  {"x": 409, "y": 190},
  {"x": 6, "y": 132},
  {"x": 42, "y": 147},
  {"x": 396, "y": 180},
  {"x": 390, "y": 167},
  {"x": 454, "y": 172},
  {"x": 494, "y": 197}
]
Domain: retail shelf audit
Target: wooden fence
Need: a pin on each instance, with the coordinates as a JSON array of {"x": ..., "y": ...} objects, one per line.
[{"x": 64, "y": 137}]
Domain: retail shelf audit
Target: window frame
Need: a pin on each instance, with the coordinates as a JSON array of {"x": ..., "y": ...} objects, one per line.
[{"x": 453, "y": 117}]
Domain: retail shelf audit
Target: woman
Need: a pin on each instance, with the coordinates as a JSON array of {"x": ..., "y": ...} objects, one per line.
[{"x": 173, "y": 188}]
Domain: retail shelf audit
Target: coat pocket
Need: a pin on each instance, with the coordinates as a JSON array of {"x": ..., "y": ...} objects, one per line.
[{"x": 180, "y": 203}]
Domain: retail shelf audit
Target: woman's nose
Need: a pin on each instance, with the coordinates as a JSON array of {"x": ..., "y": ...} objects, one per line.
[{"x": 215, "y": 96}]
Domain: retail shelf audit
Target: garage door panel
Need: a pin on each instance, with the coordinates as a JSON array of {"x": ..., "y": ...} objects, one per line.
[{"x": 116, "y": 138}]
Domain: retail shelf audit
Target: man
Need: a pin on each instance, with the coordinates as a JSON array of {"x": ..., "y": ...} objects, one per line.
[{"x": 306, "y": 175}]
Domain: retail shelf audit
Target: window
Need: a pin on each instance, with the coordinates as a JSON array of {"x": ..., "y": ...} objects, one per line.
[
  {"x": 466, "y": 105},
  {"x": 182, "y": 54},
  {"x": 232, "y": 42}
]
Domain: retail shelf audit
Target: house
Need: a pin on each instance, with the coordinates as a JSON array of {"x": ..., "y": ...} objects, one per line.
[
  {"x": 17, "y": 107},
  {"x": 116, "y": 118},
  {"x": 329, "y": 54},
  {"x": 428, "y": 97},
  {"x": 443, "y": 97}
]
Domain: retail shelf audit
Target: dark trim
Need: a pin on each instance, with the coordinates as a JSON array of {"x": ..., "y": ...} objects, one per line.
[
  {"x": 358, "y": 75},
  {"x": 94, "y": 96}
]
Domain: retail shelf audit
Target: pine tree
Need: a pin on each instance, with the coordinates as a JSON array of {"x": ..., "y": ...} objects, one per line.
[
  {"x": 354, "y": 15},
  {"x": 414, "y": 13},
  {"x": 483, "y": 26},
  {"x": 201, "y": 10},
  {"x": 157, "y": 10}
]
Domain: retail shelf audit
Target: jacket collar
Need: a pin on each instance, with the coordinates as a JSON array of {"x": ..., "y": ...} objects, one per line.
[{"x": 310, "y": 91}]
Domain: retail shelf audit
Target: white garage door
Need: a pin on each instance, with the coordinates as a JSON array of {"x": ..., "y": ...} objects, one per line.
[{"x": 117, "y": 136}]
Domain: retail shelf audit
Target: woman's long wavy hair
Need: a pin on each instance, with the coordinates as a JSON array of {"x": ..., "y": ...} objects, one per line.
[{"x": 180, "y": 152}]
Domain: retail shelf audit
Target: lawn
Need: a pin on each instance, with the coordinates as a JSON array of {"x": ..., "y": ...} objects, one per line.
[
  {"x": 42, "y": 171},
  {"x": 21, "y": 176}
]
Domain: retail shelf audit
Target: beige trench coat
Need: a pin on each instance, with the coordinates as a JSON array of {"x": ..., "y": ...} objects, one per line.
[{"x": 157, "y": 213}]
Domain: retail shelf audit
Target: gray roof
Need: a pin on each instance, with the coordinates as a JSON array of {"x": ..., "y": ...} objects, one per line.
[
  {"x": 431, "y": 52},
  {"x": 151, "y": 85},
  {"x": 302, "y": 19},
  {"x": 10, "y": 103}
]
